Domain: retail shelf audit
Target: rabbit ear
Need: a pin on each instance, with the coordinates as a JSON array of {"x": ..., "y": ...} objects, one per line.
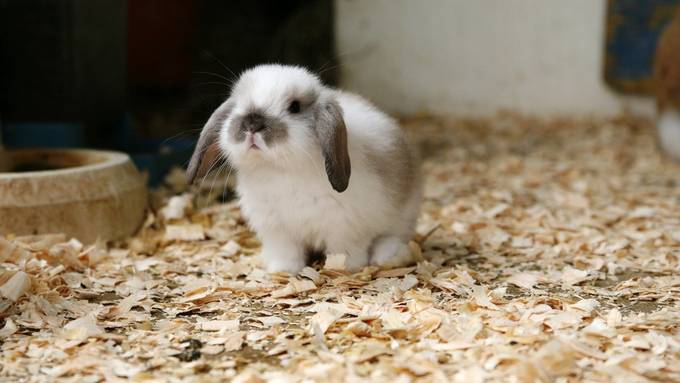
[
  {"x": 332, "y": 133},
  {"x": 207, "y": 149}
]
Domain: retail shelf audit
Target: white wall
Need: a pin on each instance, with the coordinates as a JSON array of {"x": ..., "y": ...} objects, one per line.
[{"x": 474, "y": 57}]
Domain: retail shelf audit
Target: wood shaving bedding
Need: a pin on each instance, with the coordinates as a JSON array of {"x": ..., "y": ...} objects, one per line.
[{"x": 548, "y": 252}]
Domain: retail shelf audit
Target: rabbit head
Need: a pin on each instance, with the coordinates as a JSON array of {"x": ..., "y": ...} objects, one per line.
[{"x": 276, "y": 115}]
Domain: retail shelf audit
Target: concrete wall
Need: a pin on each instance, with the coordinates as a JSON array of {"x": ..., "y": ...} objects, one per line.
[{"x": 474, "y": 57}]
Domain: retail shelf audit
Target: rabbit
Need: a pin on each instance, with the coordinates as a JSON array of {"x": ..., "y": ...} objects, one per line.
[
  {"x": 667, "y": 87},
  {"x": 317, "y": 170}
]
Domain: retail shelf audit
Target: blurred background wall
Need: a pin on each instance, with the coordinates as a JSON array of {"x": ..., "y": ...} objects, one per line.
[
  {"x": 142, "y": 76},
  {"x": 475, "y": 57}
]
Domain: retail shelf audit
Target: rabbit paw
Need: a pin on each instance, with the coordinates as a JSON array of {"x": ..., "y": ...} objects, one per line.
[{"x": 391, "y": 252}]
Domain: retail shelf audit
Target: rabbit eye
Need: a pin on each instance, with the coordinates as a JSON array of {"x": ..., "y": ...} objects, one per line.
[{"x": 294, "y": 107}]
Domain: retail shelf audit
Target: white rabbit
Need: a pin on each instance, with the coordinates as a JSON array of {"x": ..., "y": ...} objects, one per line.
[
  {"x": 293, "y": 143},
  {"x": 667, "y": 81}
]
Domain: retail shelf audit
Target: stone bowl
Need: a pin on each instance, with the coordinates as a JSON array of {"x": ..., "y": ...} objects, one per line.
[{"x": 86, "y": 194}]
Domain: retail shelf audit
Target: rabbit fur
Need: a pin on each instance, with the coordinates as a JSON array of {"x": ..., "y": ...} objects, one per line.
[{"x": 318, "y": 170}]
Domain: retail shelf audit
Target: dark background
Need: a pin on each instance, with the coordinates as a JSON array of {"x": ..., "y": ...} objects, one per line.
[{"x": 142, "y": 75}]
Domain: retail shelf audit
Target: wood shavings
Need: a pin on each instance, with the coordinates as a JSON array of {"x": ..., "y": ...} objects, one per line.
[
  {"x": 564, "y": 320},
  {"x": 219, "y": 325},
  {"x": 552, "y": 360},
  {"x": 323, "y": 319},
  {"x": 480, "y": 296},
  {"x": 82, "y": 328},
  {"x": 547, "y": 250},
  {"x": 312, "y": 274},
  {"x": 525, "y": 280},
  {"x": 614, "y": 317},
  {"x": 9, "y": 329},
  {"x": 17, "y": 285},
  {"x": 191, "y": 232},
  {"x": 230, "y": 249},
  {"x": 294, "y": 287},
  {"x": 599, "y": 327},
  {"x": 572, "y": 276},
  {"x": 234, "y": 341},
  {"x": 177, "y": 207}
]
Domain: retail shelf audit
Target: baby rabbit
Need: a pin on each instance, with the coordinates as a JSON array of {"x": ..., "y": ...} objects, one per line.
[
  {"x": 318, "y": 169},
  {"x": 667, "y": 81}
]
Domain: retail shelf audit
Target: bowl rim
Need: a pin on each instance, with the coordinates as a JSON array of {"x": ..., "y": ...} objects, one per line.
[{"x": 110, "y": 158}]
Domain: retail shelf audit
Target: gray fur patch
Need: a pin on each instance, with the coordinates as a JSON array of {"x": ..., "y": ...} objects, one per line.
[
  {"x": 273, "y": 130},
  {"x": 398, "y": 169},
  {"x": 332, "y": 134},
  {"x": 207, "y": 150}
]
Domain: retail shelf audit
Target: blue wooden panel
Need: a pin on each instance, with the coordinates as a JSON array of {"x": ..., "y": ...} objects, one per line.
[{"x": 633, "y": 27}]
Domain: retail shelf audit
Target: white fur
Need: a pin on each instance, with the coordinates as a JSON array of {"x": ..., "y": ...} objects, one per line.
[
  {"x": 285, "y": 193},
  {"x": 668, "y": 128}
]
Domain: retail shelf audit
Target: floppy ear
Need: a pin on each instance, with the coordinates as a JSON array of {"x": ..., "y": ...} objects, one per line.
[
  {"x": 207, "y": 149},
  {"x": 332, "y": 133}
]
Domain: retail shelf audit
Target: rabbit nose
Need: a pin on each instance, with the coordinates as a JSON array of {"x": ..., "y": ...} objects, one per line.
[{"x": 254, "y": 123}]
